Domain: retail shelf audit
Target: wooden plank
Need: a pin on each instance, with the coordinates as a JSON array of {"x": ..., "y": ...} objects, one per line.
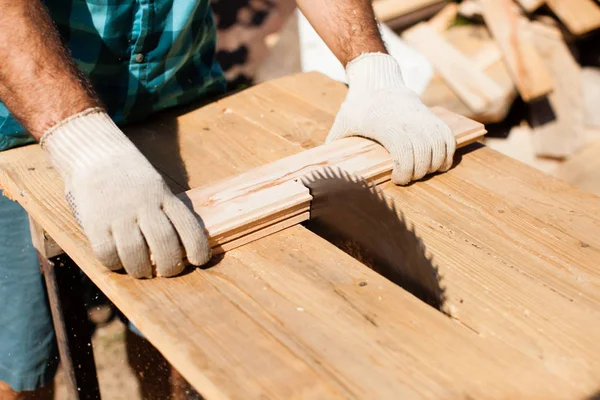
[
  {"x": 445, "y": 18},
  {"x": 557, "y": 119},
  {"x": 254, "y": 325},
  {"x": 531, "y": 5},
  {"x": 554, "y": 249},
  {"x": 518, "y": 249},
  {"x": 472, "y": 86},
  {"x": 476, "y": 44},
  {"x": 486, "y": 56},
  {"x": 386, "y": 10},
  {"x": 474, "y": 10},
  {"x": 532, "y": 78},
  {"x": 289, "y": 316},
  {"x": 580, "y": 16},
  {"x": 470, "y": 9},
  {"x": 270, "y": 198}
]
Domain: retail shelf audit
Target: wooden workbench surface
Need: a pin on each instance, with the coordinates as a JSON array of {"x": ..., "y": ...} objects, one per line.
[{"x": 285, "y": 316}]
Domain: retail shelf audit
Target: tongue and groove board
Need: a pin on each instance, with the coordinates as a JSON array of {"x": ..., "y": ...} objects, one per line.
[{"x": 289, "y": 315}]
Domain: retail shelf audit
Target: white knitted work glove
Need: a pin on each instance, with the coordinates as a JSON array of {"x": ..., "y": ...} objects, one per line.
[
  {"x": 122, "y": 203},
  {"x": 380, "y": 107}
]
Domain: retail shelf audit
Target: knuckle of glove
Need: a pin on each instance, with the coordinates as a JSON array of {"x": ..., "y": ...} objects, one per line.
[{"x": 105, "y": 250}]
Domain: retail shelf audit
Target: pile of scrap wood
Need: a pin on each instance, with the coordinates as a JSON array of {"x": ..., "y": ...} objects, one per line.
[{"x": 526, "y": 68}]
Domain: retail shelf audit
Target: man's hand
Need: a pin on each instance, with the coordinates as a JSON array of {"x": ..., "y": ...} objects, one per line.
[
  {"x": 125, "y": 208},
  {"x": 122, "y": 203},
  {"x": 379, "y": 106}
]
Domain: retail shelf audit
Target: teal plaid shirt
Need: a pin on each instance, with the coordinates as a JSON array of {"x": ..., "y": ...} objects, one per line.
[{"x": 141, "y": 55}]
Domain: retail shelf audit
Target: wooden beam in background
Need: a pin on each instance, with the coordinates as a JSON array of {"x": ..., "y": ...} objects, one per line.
[
  {"x": 477, "y": 90},
  {"x": 445, "y": 18},
  {"x": 529, "y": 73},
  {"x": 386, "y": 10},
  {"x": 580, "y": 16},
  {"x": 557, "y": 119},
  {"x": 531, "y": 5}
]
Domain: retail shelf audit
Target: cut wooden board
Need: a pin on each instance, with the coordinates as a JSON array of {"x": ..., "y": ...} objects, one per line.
[
  {"x": 476, "y": 44},
  {"x": 290, "y": 316},
  {"x": 272, "y": 197},
  {"x": 580, "y": 16},
  {"x": 557, "y": 119},
  {"x": 445, "y": 18},
  {"x": 532, "y": 78},
  {"x": 471, "y": 85},
  {"x": 531, "y": 5}
]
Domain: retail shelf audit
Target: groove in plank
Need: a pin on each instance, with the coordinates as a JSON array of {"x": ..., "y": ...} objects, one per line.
[{"x": 532, "y": 78}]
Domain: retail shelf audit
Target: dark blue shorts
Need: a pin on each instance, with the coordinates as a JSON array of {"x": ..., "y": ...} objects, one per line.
[{"x": 28, "y": 351}]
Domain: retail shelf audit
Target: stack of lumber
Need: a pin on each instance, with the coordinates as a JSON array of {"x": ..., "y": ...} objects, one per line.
[{"x": 530, "y": 68}]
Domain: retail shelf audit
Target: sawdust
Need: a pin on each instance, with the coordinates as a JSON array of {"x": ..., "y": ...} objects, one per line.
[{"x": 117, "y": 380}]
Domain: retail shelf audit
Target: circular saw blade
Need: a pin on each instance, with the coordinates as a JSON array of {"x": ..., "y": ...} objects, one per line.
[{"x": 357, "y": 217}]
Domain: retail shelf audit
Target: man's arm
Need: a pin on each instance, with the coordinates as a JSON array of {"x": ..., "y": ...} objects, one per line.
[
  {"x": 122, "y": 203},
  {"x": 39, "y": 82},
  {"x": 348, "y": 27}
]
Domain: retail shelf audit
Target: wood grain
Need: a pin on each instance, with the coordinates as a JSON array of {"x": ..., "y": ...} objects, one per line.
[
  {"x": 532, "y": 78},
  {"x": 254, "y": 325},
  {"x": 290, "y": 316}
]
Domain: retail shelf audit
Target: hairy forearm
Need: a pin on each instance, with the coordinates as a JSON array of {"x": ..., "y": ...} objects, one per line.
[
  {"x": 39, "y": 82},
  {"x": 348, "y": 27}
]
